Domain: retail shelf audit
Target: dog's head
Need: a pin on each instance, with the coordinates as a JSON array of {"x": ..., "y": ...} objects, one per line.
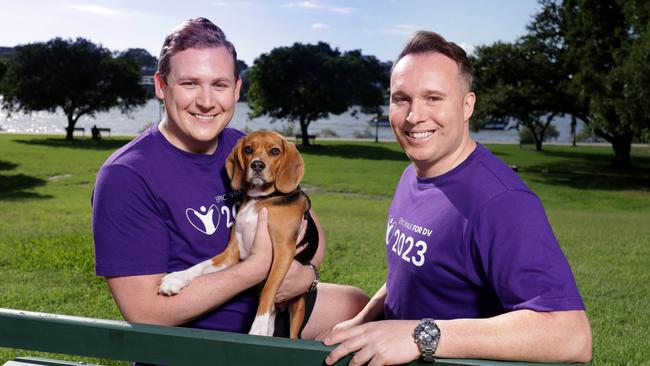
[{"x": 263, "y": 162}]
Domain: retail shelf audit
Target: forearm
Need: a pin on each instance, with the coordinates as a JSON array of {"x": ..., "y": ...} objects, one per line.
[
  {"x": 524, "y": 335},
  {"x": 375, "y": 306},
  {"x": 139, "y": 300}
]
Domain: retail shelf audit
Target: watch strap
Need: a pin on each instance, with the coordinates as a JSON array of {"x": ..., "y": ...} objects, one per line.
[{"x": 316, "y": 280}]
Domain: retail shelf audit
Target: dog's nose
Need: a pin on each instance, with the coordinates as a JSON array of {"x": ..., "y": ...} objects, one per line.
[{"x": 258, "y": 166}]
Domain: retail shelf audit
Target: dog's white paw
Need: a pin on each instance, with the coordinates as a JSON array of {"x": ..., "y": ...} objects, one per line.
[
  {"x": 263, "y": 325},
  {"x": 173, "y": 283}
]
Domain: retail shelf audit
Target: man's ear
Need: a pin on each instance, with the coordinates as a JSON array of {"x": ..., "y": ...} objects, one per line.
[
  {"x": 237, "y": 89},
  {"x": 235, "y": 166},
  {"x": 290, "y": 170},
  {"x": 468, "y": 105},
  {"x": 159, "y": 84}
]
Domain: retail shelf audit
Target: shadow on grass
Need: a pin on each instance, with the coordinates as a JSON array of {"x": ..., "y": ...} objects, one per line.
[
  {"x": 84, "y": 144},
  {"x": 7, "y": 165},
  {"x": 592, "y": 171},
  {"x": 15, "y": 187},
  {"x": 354, "y": 151}
]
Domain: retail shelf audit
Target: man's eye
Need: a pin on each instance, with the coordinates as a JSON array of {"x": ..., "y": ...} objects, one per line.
[
  {"x": 248, "y": 150},
  {"x": 275, "y": 151}
]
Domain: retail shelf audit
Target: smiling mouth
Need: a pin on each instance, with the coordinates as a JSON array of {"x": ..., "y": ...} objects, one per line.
[
  {"x": 420, "y": 135},
  {"x": 203, "y": 117}
]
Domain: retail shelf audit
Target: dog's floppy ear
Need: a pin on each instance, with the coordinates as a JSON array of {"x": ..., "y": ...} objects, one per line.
[
  {"x": 235, "y": 166},
  {"x": 290, "y": 170}
]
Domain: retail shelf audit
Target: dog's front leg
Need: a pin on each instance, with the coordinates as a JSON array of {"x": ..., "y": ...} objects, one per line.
[
  {"x": 173, "y": 283},
  {"x": 284, "y": 249}
]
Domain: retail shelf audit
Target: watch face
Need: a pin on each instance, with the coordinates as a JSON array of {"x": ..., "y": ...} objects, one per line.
[{"x": 426, "y": 333}]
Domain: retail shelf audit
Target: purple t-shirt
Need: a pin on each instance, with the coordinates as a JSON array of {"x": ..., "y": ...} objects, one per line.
[
  {"x": 472, "y": 243},
  {"x": 159, "y": 209}
]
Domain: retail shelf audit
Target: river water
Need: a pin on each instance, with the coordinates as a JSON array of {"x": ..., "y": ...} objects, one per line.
[{"x": 344, "y": 126}]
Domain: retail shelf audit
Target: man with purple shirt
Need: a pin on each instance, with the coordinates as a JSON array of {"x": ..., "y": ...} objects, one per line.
[
  {"x": 474, "y": 269},
  {"x": 163, "y": 203}
]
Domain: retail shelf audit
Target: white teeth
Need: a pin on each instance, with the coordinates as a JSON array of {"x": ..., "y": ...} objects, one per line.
[
  {"x": 420, "y": 135},
  {"x": 204, "y": 117}
]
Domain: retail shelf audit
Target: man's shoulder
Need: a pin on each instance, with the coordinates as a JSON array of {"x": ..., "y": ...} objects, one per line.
[{"x": 137, "y": 152}]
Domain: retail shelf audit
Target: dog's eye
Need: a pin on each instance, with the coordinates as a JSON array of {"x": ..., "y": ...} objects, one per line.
[
  {"x": 248, "y": 150},
  {"x": 275, "y": 151}
]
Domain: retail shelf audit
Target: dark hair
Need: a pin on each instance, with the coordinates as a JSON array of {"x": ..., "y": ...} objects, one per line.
[
  {"x": 425, "y": 41},
  {"x": 193, "y": 33}
]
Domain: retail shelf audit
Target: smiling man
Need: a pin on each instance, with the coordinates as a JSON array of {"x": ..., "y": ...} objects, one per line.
[
  {"x": 163, "y": 203},
  {"x": 474, "y": 269}
]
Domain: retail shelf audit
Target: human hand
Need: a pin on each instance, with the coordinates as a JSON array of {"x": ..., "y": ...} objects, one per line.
[
  {"x": 296, "y": 282},
  {"x": 347, "y": 324},
  {"x": 262, "y": 251},
  {"x": 385, "y": 342}
]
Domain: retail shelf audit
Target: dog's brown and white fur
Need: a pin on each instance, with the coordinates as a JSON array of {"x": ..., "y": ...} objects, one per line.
[{"x": 269, "y": 169}]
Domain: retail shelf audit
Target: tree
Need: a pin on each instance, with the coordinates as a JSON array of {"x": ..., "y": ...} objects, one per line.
[
  {"x": 527, "y": 81},
  {"x": 516, "y": 82},
  {"x": 77, "y": 76},
  {"x": 608, "y": 48},
  {"x": 3, "y": 69},
  {"x": 307, "y": 82}
]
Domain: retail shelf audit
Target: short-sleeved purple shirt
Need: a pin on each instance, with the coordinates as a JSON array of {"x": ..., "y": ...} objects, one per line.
[
  {"x": 474, "y": 242},
  {"x": 159, "y": 209}
]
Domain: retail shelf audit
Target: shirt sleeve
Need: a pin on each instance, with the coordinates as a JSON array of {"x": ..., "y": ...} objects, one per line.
[
  {"x": 520, "y": 257},
  {"x": 128, "y": 227}
]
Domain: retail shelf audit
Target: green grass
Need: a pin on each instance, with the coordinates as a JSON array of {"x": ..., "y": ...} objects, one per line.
[{"x": 600, "y": 215}]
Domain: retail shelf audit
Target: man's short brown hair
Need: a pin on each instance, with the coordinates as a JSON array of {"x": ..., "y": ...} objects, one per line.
[
  {"x": 426, "y": 41},
  {"x": 193, "y": 33}
]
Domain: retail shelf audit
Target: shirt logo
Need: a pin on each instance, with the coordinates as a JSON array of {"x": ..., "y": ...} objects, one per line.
[{"x": 204, "y": 221}]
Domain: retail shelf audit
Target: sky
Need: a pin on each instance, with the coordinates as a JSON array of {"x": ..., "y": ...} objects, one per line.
[{"x": 379, "y": 27}]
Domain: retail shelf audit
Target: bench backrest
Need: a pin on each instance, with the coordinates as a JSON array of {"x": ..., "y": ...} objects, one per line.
[{"x": 120, "y": 340}]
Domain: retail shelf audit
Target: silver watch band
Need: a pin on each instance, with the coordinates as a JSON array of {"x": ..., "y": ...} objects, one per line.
[{"x": 316, "y": 280}]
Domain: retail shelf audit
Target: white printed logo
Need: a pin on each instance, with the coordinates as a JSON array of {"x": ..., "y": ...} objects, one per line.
[{"x": 204, "y": 221}]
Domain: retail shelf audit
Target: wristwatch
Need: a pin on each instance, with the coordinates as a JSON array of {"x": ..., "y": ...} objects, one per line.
[
  {"x": 314, "y": 283},
  {"x": 427, "y": 336}
]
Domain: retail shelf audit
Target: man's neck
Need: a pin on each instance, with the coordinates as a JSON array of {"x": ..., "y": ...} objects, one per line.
[{"x": 185, "y": 143}]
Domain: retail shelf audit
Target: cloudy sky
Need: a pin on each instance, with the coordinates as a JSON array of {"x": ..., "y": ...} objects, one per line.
[{"x": 377, "y": 27}]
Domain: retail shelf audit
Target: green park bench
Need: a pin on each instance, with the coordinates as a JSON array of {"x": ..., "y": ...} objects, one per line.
[{"x": 119, "y": 340}]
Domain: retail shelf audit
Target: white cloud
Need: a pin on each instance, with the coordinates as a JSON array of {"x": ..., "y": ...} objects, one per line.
[
  {"x": 319, "y": 25},
  {"x": 317, "y": 6},
  {"x": 400, "y": 29},
  {"x": 469, "y": 48},
  {"x": 228, "y": 4},
  {"x": 94, "y": 9}
]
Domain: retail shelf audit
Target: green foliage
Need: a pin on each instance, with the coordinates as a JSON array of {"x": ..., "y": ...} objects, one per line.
[
  {"x": 307, "y": 82},
  {"x": 77, "y": 76},
  {"x": 3, "y": 69},
  {"x": 525, "y": 81},
  {"x": 608, "y": 50}
]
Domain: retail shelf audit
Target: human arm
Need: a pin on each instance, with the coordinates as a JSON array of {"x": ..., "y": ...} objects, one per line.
[
  {"x": 138, "y": 299},
  {"x": 299, "y": 277},
  {"x": 523, "y": 335}
]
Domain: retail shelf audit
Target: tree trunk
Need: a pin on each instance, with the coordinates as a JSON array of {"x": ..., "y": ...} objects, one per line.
[
  {"x": 573, "y": 129},
  {"x": 304, "y": 125},
  {"x": 622, "y": 146},
  {"x": 69, "y": 131}
]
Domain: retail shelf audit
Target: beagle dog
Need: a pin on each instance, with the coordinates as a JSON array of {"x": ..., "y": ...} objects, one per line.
[{"x": 269, "y": 170}]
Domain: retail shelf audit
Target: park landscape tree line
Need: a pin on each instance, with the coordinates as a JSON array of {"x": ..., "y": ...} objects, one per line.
[{"x": 583, "y": 58}]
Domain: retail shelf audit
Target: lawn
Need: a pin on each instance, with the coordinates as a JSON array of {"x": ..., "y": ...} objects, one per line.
[{"x": 600, "y": 215}]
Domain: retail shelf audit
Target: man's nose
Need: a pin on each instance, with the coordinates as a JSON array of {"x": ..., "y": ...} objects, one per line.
[
  {"x": 258, "y": 166},
  {"x": 206, "y": 100},
  {"x": 415, "y": 113}
]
